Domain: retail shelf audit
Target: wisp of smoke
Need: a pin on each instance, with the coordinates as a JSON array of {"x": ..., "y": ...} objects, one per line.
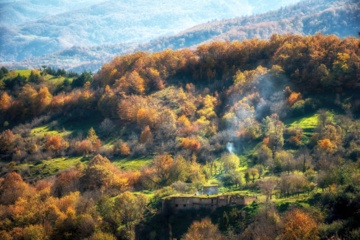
[{"x": 230, "y": 147}]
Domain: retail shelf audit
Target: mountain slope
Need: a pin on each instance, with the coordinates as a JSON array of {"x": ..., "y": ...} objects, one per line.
[
  {"x": 14, "y": 13},
  {"x": 340, "y": 17},
  {"x": 112, "y": 22}
]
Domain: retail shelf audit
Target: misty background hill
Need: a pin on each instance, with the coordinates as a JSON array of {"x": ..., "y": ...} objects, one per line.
[
  {"x": 107, "y": 29},
  {"x": 34, "y": 28}
]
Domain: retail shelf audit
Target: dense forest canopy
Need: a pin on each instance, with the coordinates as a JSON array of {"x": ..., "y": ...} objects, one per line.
[{"x": 91, "y": 156}]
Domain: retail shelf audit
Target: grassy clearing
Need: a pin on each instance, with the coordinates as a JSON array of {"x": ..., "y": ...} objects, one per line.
[
  {"x": 14, "y": 73},
  {"x": 148, "y": 193},
  {"x": 25, "y": 73},
  {"x": 53, "y": 166},
  {"x": 131, "y": 164},
  {"x": 46, "y": 130},
  {"x": 307, "y": 123},
  {"x": 46, "y": 168}
]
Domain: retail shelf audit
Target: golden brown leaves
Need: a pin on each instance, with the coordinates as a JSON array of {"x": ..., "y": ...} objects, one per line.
[
  {"x": 299, "y": 225},
  {"x": 203, "y": 229}
]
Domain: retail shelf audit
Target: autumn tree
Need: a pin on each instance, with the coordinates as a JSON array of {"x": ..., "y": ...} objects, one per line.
[
  {"x": 102, "y": 236},
  {"x": 268, "y": 186},
  {"x": 253, "y": 172},
  {"x": 160, "y": 173},
  {"x": 284, "y": 161},
  {"x": 147, "y": 117},
  {"x": 107, "y": 103},
  {"x": 203, "y": 229},
  {"x": 128, "y": 211},
  {"x": 7, "y": 140},
  {"x": 208, "y": 111},
  {"x": 84, "y": 147},
  {"x": 299, "y": 225},
  {"x": 5, "y": 102},
  {"x": 190, "y": 144},
  {"x": 124, "y": 149},
  {"x": 232, "y": 178},
  {"x": 230, "y": 162},
  {"x": 323, "y": 118},
  {"x": 129, "y": 107},
  {"x": 66, "y": 182},
  {"x": 274, "y": 128},
  {"x": 121, "y": 148},
  {"x": 44, "y": 98},
  {"x": 263, "y": 155},
  {"x": 305, "y": 157},
  {"x": 94, "y": 139},
  {"x": 326, "y": 146},
  {"x": 11, "y": 188},
  {"x": 131, "y": 83},
  {"x": 35, "y": 232},
  {"x": 56, "y": 144},
  {"x": 266, "y": 225},
  {"x": 92, "y": 135},
  {"x": 28, "y": 99},
  {"x": 102, "y": 175},
  {"x": 154, "y": 78},
  {"x": 293, "y": 184}
]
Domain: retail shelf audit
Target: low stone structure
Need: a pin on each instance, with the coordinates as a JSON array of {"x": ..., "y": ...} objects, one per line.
[{"x": 175, "y": 203}]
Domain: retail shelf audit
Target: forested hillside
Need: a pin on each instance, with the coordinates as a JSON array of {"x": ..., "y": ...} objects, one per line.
[
  {"x": 92, "y": 156},
  {"x": 339, "y": 17}
]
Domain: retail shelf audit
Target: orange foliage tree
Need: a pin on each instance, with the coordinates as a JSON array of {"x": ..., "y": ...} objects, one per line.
[
  {"x": 11, "y": 188},
  {"x": 190, "y": 144},
  {"x": 56, "y": 143},
  {"x": 326, "y": 146},
  {"x": 102, "y": 175},
  {"x": 7, "y": 139},
  {"x": 5, "y": 101},
  {"x": 293, "y": 98},
  {"x": 66, "y": 182},
  {"x": 125, "y": 149},
  {"x": 84, "y": 147},
  {"x": 299, "y": 225},
  {"x": 146, "y": 135},
  {"x": 203, "y": 229},
  {"x": 44, "y": 99}
]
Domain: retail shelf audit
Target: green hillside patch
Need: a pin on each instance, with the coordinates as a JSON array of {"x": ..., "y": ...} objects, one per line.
[
  {"x": 25, "y": 73},
  {"x": 46, "y": 168},
  {"x": 131, "y": 164},
  {"x": 47, "y": 130},
  {"x": 55, "y": 165},
  {"x": 307, "y": 123}
]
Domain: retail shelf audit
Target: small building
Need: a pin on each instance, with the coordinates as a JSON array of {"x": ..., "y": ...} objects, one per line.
[{"x": 175, "y": 203}]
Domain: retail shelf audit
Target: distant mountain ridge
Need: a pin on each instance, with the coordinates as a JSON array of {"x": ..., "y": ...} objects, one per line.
[
  {"x": 340, "y": 17},
  {"x": 30, "y": 29}
]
